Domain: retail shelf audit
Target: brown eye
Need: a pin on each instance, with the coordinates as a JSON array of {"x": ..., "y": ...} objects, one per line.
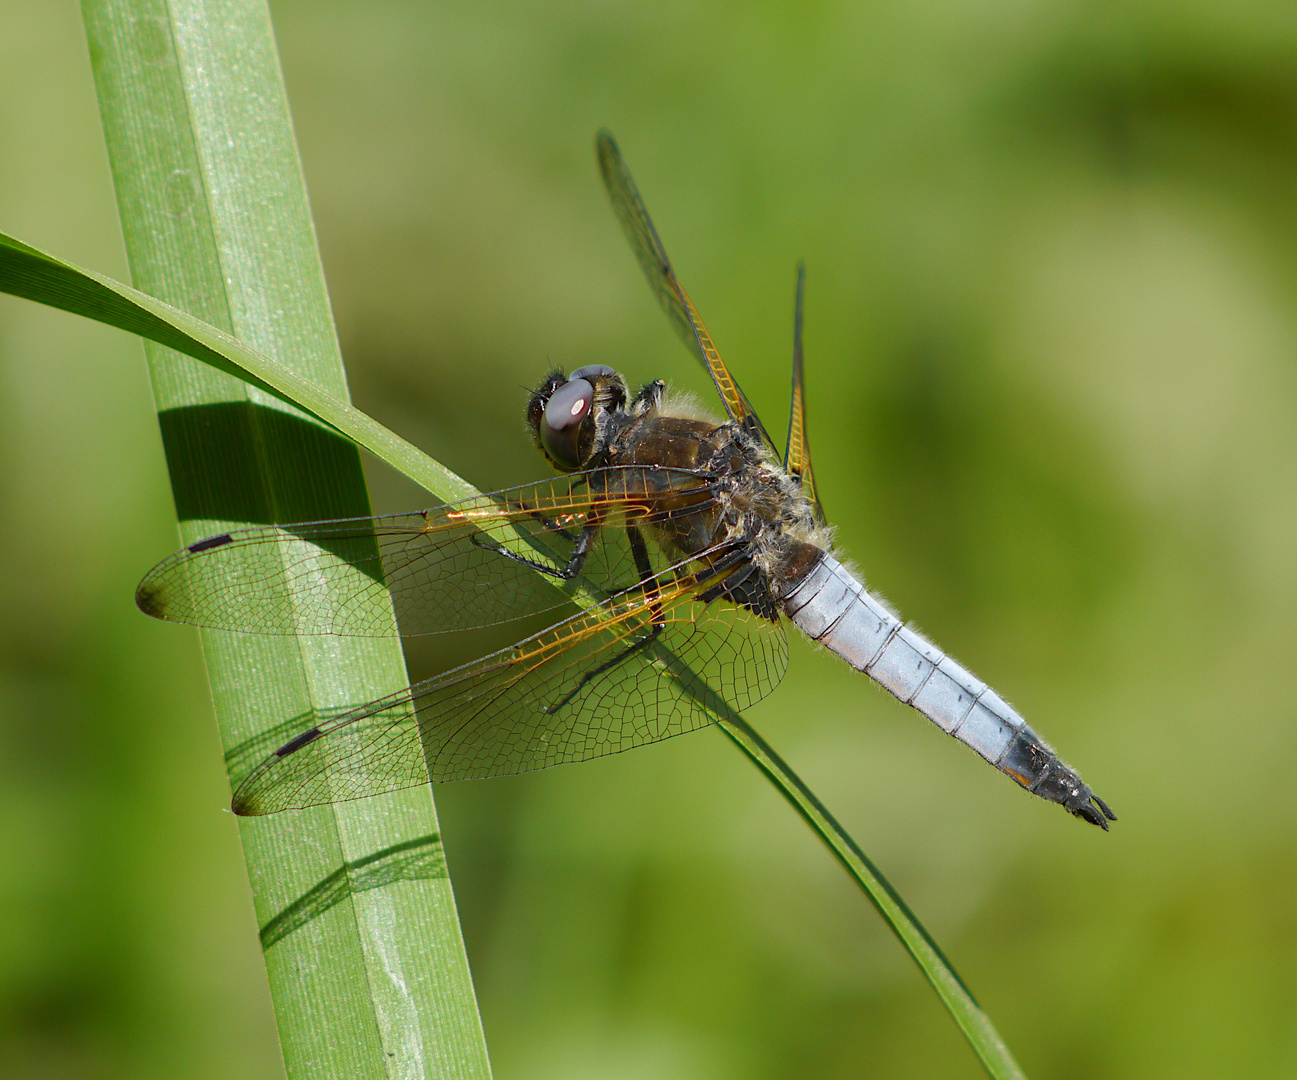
[{"x": 560, "y": 427}]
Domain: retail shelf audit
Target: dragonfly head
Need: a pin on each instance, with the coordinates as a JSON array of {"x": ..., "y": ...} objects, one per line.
[{"x": 566, "y": 413}]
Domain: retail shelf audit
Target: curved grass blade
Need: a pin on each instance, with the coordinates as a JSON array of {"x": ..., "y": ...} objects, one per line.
[
  {"x": 973, "y": 1022},
  {"x": 35, "y": 275}
]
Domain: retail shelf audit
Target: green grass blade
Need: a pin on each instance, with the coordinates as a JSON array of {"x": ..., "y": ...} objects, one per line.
[{"x": 362, "y": 944}]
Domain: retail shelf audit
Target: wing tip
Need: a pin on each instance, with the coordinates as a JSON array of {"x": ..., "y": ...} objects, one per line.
[
  {"x": 609, "y": 155},
  {"x": 151, "y": 598},
  {"x": 248, "y": 799}
]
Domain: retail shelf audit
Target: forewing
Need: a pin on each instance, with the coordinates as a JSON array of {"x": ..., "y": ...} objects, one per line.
[
  {"x": 662, "y": 280},
  {"x": 797, "y": 456},
  {"x": 444, "y": 569},
  {"x": 595, "y": 684}
]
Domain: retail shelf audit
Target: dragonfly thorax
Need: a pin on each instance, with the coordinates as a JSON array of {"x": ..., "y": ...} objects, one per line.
[{"x": 754, "y": 518}]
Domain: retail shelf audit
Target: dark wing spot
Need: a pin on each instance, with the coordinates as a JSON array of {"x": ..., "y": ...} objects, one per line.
[
  {"x": 210, "y": 542},
  {"x": 298, "y": 742}
]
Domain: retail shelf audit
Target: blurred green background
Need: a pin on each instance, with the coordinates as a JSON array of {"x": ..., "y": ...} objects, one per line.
[{"x": 1051, "y": 336}]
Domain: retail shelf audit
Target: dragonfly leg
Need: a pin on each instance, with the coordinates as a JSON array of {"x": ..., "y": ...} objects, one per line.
[
  {"x": 580, "y": 549},
  {"x": 647, "y": 579},
  {"x": 648, "y": 583}
]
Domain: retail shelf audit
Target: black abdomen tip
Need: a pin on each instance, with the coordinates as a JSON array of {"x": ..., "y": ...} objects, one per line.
[{"x": 1094, "y": 810}]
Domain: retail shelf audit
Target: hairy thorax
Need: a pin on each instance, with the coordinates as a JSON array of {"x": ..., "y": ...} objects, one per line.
[{"x": 756, "y": 503}]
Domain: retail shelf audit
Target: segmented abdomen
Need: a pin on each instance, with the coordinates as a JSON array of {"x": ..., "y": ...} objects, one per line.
[{"x": 833, "y": 608}]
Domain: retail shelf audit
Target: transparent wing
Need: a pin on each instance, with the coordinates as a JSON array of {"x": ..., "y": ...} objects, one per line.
[
  {"x": 797, "y": 456},
  {"x": 635, "y": 669},
  {"x": 472, "y": 563},
  {"x": 675, "y": 302}
]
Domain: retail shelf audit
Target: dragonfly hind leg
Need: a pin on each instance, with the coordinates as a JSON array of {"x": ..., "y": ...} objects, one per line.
[{"x": 647, "y": 583}]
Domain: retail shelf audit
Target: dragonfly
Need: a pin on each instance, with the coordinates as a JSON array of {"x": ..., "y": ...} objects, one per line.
[{"x": 684, "y": 543}]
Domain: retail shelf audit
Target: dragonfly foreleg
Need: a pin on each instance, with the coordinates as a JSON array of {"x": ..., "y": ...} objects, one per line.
[{"x": 581, "y": 545}]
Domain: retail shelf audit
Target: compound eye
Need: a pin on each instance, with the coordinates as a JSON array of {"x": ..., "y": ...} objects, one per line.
[
  {"x": 560, "y": 426},
  {"x": 594, "y": 371}
]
